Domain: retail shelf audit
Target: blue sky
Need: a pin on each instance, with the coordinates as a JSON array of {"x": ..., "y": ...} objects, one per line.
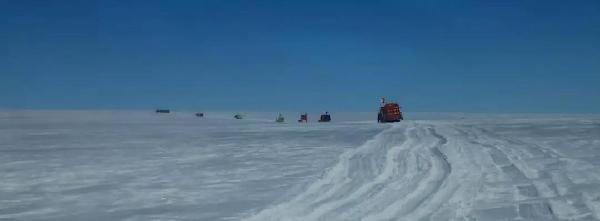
[{"x": 470, "y": 56}]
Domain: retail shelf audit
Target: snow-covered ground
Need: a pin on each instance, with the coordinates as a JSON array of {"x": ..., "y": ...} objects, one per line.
[{"x": 132, "y": 165}]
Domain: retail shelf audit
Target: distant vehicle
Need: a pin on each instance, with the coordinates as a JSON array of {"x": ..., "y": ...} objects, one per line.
[
  {"x": 303, "y": 118},
  {"x": 280, "y": 119},
  {"x": 325, "y": 117},
  {"x": 389, "y": 112},
  {"x": 238, "y": 116},
  {"x": 163, "y": 111},
  {"x": 199, "y": 114}
]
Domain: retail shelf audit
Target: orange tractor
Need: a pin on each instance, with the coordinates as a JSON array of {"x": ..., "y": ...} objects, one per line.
[{"x": 389, "y": 112}]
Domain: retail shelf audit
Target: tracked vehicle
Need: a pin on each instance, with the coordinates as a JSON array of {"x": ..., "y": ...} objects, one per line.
[{"x": 389, "y": 112}]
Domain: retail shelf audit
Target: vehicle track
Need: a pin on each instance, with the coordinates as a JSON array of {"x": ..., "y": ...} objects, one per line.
[
  {"x": 425, "y": 170},
  {"x": 393, "y": 175},
  {"x": 542, "y": 191}
]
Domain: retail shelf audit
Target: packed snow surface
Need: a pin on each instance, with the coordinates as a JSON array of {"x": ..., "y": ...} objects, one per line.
[{"x": 132, "y": 165}]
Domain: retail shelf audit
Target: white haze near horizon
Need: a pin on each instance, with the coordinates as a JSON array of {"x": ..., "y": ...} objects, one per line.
[{"x": 136, "y": 165}]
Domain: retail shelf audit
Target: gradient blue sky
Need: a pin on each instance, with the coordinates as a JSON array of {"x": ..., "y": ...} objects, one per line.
[{"x": 471, "y": 56}]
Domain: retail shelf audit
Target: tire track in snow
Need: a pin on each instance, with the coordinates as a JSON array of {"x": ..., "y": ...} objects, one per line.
[
  {"x": 546, "y": 193},
  {"x": 508, "y": 158},
  {"x": 422, "y": 202},
  {"x": 335, "y": 181},
  {"x": 393, "y": 175},
  {"x": 431, "y": 171},
  {"x": 429, "y": 206}
]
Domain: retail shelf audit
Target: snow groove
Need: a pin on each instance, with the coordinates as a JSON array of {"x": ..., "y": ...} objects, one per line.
[
  {"x": 401, "y": 171},
  {"x": 425, "y": 170}
]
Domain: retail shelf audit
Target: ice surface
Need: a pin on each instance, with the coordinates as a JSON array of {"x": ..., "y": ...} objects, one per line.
[{"x": 133, "y": 165}]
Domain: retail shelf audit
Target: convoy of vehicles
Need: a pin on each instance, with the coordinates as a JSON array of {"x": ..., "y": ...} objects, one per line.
[{"x": 388, "y": 112}]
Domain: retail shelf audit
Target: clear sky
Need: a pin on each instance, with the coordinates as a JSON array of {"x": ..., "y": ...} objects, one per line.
[{"x": 471, "y": 56}]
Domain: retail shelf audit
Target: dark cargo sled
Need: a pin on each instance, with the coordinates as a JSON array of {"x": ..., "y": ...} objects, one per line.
[
  {"x": 325, "y": 117},
  {"x": 303, "y": 118}
]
